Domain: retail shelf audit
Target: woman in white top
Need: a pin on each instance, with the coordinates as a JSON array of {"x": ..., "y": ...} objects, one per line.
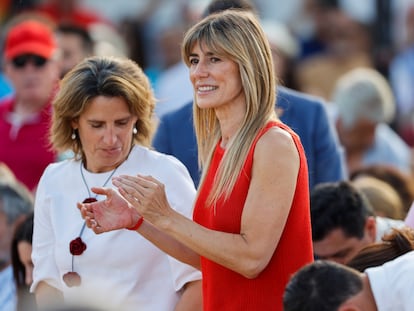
[{"x": 103, "y": 114}]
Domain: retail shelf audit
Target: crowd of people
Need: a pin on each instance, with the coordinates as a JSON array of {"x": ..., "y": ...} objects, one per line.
[{"x": 241, "y": 172}]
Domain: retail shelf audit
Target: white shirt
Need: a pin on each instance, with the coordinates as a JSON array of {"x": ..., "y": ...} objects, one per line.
[
  {"x": 392, "y": 284},
  {"x": 118, "y": 267},
  {"x": 388, "y": 148},
  {"x": 385, "y": 225}
]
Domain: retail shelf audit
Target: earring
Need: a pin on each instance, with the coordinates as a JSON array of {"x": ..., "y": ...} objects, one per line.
[
  {"x": 73, "y": 136},
  {"x": 134, "y": 131}
]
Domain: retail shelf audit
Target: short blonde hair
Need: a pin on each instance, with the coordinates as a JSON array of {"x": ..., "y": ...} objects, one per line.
[
  {"x": 106, "y": 76},
  {"x": 384, "y": 199}
]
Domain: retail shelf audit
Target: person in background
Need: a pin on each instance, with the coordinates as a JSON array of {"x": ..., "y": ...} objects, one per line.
[
  {"x": 251, "y": 224},
  {"x": 6, "y": 88},
  {"x": 171, "y": 96},
  {"x": 285, "y": 49},
  {"x": 6, "y": 173},
  {"x": 31, "y": 64},
  {"x": 401, "y": 77},
  {"x": 70, "y": 11},
  {"x": 343, "y": 43},
  {"x": 409, "y": 219},
  {"x": 402, "y": 182},
  {"x": 21, "y": 251},
  {"x": 384, "y": 200},
  {"x": 75, "y": 43},
  {"x": 103, "y": 113},
  {"x": 362, "y": 107},
  {"x": 394, "y": 244},
  {"x": 343, "y": 221},
  {"x": 16, "y": 203},
  {"x": 306, "y": 115},
  {"x": 328, "y": 286}
]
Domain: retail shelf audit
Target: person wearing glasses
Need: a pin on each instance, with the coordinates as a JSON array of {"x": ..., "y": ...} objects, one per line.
[{"x": 31, "y": 64}]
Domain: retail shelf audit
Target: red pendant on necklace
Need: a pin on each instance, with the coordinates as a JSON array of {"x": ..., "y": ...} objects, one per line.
[
  {"x": 72, "y": 279},
  {"x": 76, "y": 248},
  {"x": 89, "y": 200}
]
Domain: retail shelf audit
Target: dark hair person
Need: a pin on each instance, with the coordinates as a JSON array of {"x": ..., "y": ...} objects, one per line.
[
  {"x": 21, "y": 251},
  {"x": 329, "y": 286},
  {"x": 396, "y": 243}
]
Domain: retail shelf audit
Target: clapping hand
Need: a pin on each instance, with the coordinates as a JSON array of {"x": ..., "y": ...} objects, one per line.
[{"x": 110, "y": 214}]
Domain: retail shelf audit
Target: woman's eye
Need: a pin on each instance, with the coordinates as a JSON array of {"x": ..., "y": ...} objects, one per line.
[
  {"x": 194, "y": 61},
  {"x": 122, "y": 123}
]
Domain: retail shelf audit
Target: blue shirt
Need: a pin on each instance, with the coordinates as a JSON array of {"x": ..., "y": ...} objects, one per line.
[
  {"x": 6, "y": 88},
  {"x": 8, "y": 295}
]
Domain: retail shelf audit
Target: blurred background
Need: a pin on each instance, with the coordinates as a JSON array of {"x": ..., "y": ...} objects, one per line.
[{"x": 316, "y": 40}]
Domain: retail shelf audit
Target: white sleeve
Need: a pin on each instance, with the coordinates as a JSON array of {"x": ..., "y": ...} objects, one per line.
[{"x": 43, "y": 256}]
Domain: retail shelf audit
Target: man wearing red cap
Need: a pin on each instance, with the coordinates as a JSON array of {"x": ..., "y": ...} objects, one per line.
[{"x": 30, "y": 64}]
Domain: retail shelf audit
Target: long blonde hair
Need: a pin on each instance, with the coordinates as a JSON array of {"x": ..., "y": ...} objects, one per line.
[{"x": 238, "y": 36}]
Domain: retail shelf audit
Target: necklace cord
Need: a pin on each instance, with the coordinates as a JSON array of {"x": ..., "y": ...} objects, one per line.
[{"x": 90, "y": 196}]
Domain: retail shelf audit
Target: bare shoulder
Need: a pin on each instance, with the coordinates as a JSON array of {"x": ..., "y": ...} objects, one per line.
[
  {"x": 276, "y": 141},
  {"x": 276, "y": 157}
]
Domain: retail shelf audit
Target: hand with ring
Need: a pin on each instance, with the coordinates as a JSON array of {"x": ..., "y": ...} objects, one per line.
[{"x": 110, "y": 214}]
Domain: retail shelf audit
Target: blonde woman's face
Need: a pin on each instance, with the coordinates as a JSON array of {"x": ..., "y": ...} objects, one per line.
[
  {"x": 216, "y": 79},
  {"x": 105, "y": 131}
]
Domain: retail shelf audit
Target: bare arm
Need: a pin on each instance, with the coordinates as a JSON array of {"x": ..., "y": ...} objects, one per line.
[
  {"x": 191, "y": 298},
  {"x": 47, "y": 295},
  {"x": 116, "y": 213},
  {"x": 275, "y": 170}
]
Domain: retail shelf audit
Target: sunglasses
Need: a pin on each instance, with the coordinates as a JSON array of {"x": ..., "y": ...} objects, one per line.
[{"x": 21, "y": 61}]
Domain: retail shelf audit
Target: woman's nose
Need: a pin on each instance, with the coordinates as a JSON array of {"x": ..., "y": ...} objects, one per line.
[
  {"x": 109, "y": 136},
  {"x": 200, "y": 70}
]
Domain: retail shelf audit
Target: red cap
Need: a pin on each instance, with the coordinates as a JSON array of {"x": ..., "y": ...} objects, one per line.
[{"x": 30, "y": 37}]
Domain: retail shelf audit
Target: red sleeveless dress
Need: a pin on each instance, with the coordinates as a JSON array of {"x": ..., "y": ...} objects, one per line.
[{"x": 226, "y": 290}]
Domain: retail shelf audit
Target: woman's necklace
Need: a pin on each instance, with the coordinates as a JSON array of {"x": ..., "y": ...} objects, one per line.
[{"x": 77, "y": 246}]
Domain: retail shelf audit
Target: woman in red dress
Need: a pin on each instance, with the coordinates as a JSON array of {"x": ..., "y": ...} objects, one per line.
[{"x": 251, "y": 226}]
